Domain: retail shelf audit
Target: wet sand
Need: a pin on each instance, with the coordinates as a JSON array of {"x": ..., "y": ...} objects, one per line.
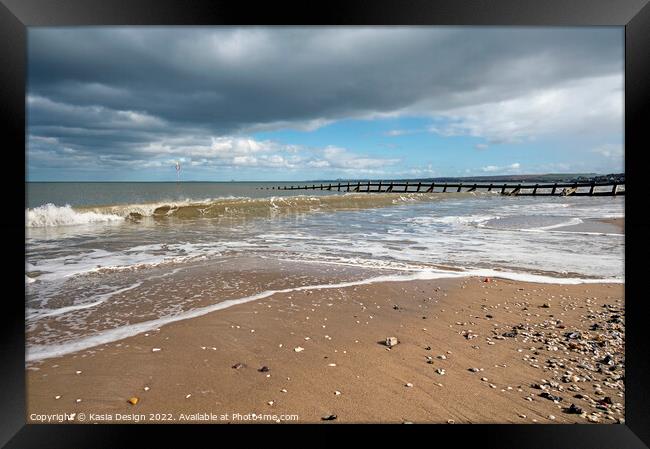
[
  {"x": 597, "y": 226},
  {"x": 536, "y": 348},
  {"x": 618, "y": 222}
]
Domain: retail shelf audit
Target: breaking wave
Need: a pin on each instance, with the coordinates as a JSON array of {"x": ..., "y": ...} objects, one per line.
[{"x": 50, "y": 215}]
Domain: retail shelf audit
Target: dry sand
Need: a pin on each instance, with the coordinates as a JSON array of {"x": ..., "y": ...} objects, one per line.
[{"x": 526, "y": 340}]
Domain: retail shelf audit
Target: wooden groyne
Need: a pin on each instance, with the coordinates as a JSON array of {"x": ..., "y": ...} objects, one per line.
[{"x": 511, "y": 189}]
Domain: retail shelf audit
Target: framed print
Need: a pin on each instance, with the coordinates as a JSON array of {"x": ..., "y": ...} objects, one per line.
[{"x": 336, "y": 214}]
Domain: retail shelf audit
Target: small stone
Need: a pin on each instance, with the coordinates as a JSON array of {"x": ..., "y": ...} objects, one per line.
[
  {"x": 550, "y": 397},
  {"x": 298, "y": 349},
  {"x": 409, "y": 384},
  {"x": 574, "y": 409},
  {"x": 337, "y": 393},
  {"x": 155, "y": 349},
  {"x": 134, "y": 400},
  {"x": 474, "y": 370},
  {"x": 57, "y": 397},
  {"x": 450, "y": 421},
  {"x": 271, "y": 402},
  {"x": 484, "y": 379},
  {"x": 77, "y": 372},
  {"x": 329, "y": 417},
  {"x": 440, "y": 371},
  {"x": 551, "y": 417},
  {"x": 263, "y": 369},
  {"x": 391, "y": 341},
  {"x": 187, "y": 396},
  {"x": 78, "y": 401},
  {"x": 331, "y": 364},
  {"x": 238, "y": 365},
  {"x": 284, "y": 390},
  {"x": 146, "y": 388}
]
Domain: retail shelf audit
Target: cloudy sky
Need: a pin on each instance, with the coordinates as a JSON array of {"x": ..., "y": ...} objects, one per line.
[{"x": 124, "y": 104}]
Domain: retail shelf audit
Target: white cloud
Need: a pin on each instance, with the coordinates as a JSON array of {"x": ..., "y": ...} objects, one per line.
[
  {"x": 592, "y": 105},
  {"x": 611, "y": 151},
  {"x": 512, "y": 168},
  {"x": 399, "y": 132}
]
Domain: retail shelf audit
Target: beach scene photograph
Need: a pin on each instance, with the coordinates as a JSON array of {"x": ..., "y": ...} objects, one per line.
[{"x": 288, "y": 225}]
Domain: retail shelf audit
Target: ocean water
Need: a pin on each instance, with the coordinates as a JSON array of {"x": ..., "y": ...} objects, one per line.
[{"x": 108, "y": 260}]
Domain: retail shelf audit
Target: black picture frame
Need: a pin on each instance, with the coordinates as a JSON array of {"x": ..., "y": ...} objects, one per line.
[{"x": 17, "y": 15}]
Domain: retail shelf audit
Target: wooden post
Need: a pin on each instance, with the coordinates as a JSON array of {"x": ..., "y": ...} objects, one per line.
[
  {"x": 591, "y": 190},
  {"x": 554, "y": 187},
  {"x": 614, "y": 190},
  {"x": 321, "y": 186},
  {"x": 329, "y": 187},
  {"x": 473, "y": 188},
  {"x": 390, "y": 187},
  {"x": 368, "y": 190},
  {"x": 356, "y": 189},
  {"x": 503, "y": 189},
  {"x": 348, "y": 186},
  {"x": 445, "y": 188},
  {"x": 430, "y": 189},
  {"x": 490, "y": 188},
  {"x": 419, "y": 185},
  {"x": 460, "y": 185},
  {"x": 535, "y": 190},
  {"x": 338, "y": 187},
  {"x": 406, "y": 187},
  {"x": 379, "y": 187}
]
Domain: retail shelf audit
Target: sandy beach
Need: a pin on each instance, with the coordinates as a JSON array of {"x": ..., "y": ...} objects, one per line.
[{"x": 470, "y": 350}]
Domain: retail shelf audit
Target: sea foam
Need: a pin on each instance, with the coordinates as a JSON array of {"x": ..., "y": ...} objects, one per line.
[{"x": 50, "y": 215}]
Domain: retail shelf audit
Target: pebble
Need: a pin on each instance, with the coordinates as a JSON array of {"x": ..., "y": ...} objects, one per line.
[
  {"x": 146, "y": 388},
  {"x": 574, "y": 409},
  {"x": 263, "y": 369},
  {"x": 329, "y": 417},
  {"x": 155, "y": 349},
  {"x": 134, "y": 400},
  {"x": 298, "y": 349},
  {"x": 409, "y": 384},
  {"x": 57, "y": 397},
  {"x": 391, "y": 341}
]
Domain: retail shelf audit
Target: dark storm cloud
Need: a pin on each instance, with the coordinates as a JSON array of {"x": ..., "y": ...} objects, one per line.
[{"x": 115, "y": 91}]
